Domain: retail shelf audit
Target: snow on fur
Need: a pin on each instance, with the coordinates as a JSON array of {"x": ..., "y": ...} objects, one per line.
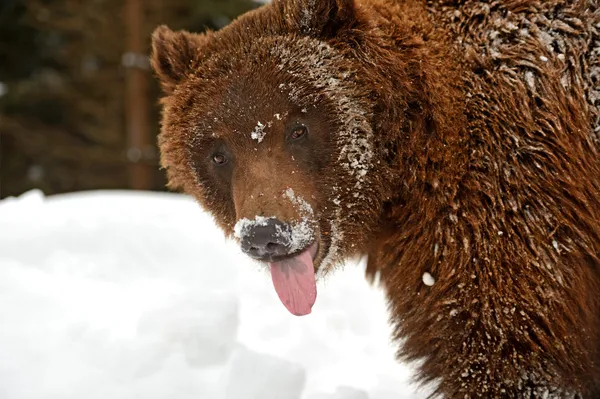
[
  {"x": 355, "y": 137},
  {"x": 258, "y": 133}
]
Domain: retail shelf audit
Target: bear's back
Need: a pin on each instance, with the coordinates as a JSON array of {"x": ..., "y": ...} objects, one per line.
[{"x": 527, "y": 39}]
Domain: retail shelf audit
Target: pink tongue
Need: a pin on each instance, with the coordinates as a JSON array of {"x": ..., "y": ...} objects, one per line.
[{"x": 294, "y": 281}]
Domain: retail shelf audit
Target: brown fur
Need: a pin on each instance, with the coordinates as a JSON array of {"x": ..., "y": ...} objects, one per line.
[{"x": 457, "y": 138}]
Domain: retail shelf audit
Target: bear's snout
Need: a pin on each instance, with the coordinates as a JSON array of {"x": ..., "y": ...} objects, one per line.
[{"x": 267, "y": 241}]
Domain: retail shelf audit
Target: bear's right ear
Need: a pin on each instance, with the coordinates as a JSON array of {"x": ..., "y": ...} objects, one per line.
[{"x": 173, "y": 54}]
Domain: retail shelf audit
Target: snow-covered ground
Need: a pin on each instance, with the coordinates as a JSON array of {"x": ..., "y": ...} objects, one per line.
[{"x": 138, "y": 295}]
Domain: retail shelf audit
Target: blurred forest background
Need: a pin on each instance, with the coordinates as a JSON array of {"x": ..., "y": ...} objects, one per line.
[{"x": 78, "y": 102}]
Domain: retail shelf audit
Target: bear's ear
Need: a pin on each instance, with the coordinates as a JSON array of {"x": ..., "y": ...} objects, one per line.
[
  {"x": 319, "y": 18},
  {"x": 173, "y": 54}
]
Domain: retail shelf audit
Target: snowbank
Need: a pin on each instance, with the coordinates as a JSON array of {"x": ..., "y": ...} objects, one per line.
[{"x": 137, "y": 295}]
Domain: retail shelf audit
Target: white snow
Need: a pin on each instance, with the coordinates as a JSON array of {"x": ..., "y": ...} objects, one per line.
[
  {"x": 137, "y": 295},
  {"x": 253, "y": 375},
  {"x": 258, "y": 133},
  {"x": 530, "y": 79},
  {"x": 428, "y": 279}
]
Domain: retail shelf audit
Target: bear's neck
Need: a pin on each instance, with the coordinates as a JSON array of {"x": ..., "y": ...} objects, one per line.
[{"x": 419, "y": 115}]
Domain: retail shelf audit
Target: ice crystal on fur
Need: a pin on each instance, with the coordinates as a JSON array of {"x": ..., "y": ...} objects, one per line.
[
  {"x": 355, "y": 137},
  {"x": 300, "y": 236},
  {"x": 259, "y": 132},
  {"x": 303, "y": 206},
  {"x": 302, "y": 232},
  {"x": 428, "y": 279},
  {"x": 307, "y": 15}
]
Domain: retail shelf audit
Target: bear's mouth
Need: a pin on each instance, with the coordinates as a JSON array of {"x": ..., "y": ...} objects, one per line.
[{"x": 294, "y": 280}]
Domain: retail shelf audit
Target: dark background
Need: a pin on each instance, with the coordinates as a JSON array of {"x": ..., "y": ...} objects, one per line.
[{"x": 78, "y": 104}]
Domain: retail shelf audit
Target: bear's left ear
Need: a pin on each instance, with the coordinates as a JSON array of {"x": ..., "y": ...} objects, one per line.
[
  {"x": 319, "y": 18},
  {"x": 173, "y": 55}
]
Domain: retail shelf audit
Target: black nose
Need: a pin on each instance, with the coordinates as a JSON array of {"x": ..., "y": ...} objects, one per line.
[{"x": 267, "y": 240}]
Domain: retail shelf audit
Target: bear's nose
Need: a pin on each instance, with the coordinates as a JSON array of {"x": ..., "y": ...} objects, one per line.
[{"x": 267, "y": 241}]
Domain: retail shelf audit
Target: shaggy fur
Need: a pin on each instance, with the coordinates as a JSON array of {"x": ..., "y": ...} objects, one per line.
[{"x": 455, "y": 138}]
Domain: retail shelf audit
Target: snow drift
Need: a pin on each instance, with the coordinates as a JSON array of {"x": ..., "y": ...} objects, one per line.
[{"x": 124, "y": 295}]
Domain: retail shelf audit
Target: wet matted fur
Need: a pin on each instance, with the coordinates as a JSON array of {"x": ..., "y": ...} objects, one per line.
[{"x": 455, "y": 138}]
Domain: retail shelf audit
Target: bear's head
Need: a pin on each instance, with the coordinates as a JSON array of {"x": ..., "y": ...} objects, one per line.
[{"x": 268, "y": 125}]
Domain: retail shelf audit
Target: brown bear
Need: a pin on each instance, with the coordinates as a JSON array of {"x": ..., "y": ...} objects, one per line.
[{"x": 455, "y": 143}]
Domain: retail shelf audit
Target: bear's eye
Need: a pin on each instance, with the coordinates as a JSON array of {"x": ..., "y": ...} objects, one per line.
[
  {"x": 219, "y": 159},
  {"x": 298, "y": 132}
]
